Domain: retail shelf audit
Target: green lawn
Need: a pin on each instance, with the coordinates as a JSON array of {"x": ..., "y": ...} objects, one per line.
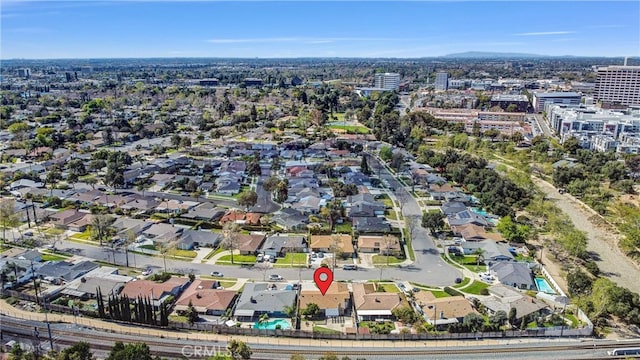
[
  {"x": 52, "y": 257},
  {"x": 382, "y": 260},
  {"x": 210, "y": 255},
  {"x": 295, "y": 259},
  {"x": 148, "y": 247},
  {"x": 390, "y": 288},
  {"x": 83, "y": 236},
  {"x": 237, "y": 259},
  {"x": 386, "y": 201},
  {"x": 182, "y": 253},
  {"x": 475, "y": 287},
  {"x": 477, "y": 269},
  {"x": 464, "y": 282},
  {"x": 344, "y": 228},
  {"x": 351, "y": 129},
  {"x": 440, "y": 294},
  {"x": 324, "y": 330},
  {"x": 391, "y": 215}
]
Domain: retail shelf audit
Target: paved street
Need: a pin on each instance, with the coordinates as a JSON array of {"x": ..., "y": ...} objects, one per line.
[{"x": 265, "y": 205}]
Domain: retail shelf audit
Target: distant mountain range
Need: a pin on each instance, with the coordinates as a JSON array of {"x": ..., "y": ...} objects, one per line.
[{"x": 496, "y": 55}]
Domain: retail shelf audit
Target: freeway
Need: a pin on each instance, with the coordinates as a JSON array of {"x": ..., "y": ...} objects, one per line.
[{"x": 174, "y": 344}]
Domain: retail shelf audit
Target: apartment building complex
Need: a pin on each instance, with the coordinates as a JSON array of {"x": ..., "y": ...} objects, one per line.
[
  {"x": 595, "y": 128},
  {"x": 618, "y": 86}
]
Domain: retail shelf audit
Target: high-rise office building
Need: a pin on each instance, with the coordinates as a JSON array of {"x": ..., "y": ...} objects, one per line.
[
  {"x": 442, "y": 81},
  {"x": 388, "y": 81},
  {"x": 566, "y": 98},
  {"x": 618, "y": 85}
]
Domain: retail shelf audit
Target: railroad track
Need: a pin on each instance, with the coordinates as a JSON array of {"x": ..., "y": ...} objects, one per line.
[{"x": 172, "y": 348}]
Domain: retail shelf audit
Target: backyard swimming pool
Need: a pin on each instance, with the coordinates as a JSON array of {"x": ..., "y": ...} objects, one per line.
[
  {"x": 544, "y": 286},
  {"x": 271, "y": 325}
]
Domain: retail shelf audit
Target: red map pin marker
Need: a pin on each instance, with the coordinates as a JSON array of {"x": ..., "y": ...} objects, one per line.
[{"x": 323, "y": 276}]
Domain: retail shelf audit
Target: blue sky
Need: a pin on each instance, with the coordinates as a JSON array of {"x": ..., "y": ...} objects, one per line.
[{"x": 265, "y": 29}]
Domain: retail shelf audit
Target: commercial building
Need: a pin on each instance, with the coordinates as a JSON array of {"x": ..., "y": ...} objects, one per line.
[
  {"x": 618, "y": 86},
  {"x": 442, "y": 81},
  {"x": 507, "y": 102},
  {"x": 387, "y": 81},
  {"x": 567, "y": 98}
]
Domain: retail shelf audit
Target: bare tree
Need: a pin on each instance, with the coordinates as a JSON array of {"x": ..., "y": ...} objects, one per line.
[
  {"x": 10, "y": 217},
  {"x": 230, "y": 232},
  {"x": 388, "y": 241},
  {"x": 263, "y": 267}
]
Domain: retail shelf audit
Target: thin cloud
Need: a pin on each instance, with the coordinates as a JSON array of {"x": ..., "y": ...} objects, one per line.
[
  {"x": 546, "y": 33},
  {"x": 295, "y": 40}
]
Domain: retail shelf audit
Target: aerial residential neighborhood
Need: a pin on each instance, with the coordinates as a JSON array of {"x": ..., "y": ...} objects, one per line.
[{"x": 482, "y": 201}]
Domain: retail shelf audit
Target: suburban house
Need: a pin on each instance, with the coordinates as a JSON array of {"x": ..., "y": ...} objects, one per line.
[
  {"x": 249, "y": 244},
  {"x": 473, "y": 232},
  {"x": 280, "y": 244},
  {"x": 206, "y": 298},
  {"x": 125, "y": 226},
  {"x": 442, "y": 311},
  {"x": 491, "y": 250},
  {"x": 155, "y": 291},
  {"x": 21, "y": 254},
  {"x": 335, "y": 302},
  {"x": 206, "y": 211},
  {"x": 370, "y": 304},
  {"x": 141, "y": 205},
  {"x": 57, "y": 272},
  {"x": 364, "y": 205},
  {"x": 516, "y": 274},
  {"x": 105, "y": 278},
  {"x": 199, "y": 238},
  {"x": 467, "y": 217},
  {"x": 290, "y": 219},
  {"x": 262, "y": 298},
  {"x": 370, "y": 225},
  {"x": 71, "y": 219},
  {"x": 451, "y": 208},
  {"x": 20, "y": 270},
  {"x": 505, "y": 298},
  {"x": 240, "y": 217},
  {"x": 379, "y": 245},
  {"x": 162, "y": 233},
  {"x": 325, "y": 243}
]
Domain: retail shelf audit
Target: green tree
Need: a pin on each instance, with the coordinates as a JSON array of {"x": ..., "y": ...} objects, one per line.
[
  {"x": 311, "y": 311},
  {"x": 364, "y": 166},
  {"x": 499, "y": 318},
  {"x": 192, "y": 314},
  {"x": 238, "y": 350},
  {"x": 473, "y": 321},
  {"x": 571, "y": 145},
  {"x": 137, "y": 351},
  {"x": 433, "y": 220},
  {"x": 247, "y": 199},
  {"x": 513, "y": 231},
  {"x": 386, "y": 153},
  {"x": 79, "y": 351}
]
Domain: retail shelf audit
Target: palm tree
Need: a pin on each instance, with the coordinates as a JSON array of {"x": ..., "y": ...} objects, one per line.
[
  {"x": 263, "y": 319},
  {"x": 479, "y": 252}
]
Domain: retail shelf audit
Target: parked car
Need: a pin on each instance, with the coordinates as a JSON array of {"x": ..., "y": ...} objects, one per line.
[
  {"x": 275, "y": 277},
  {"x": 260, "y": 258},
  {"x": 217, "y": 274},
  {"x": 147, "y": 272},
  {"x": 320, "y": 255},
  {"x": 350, "y": 267}
]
